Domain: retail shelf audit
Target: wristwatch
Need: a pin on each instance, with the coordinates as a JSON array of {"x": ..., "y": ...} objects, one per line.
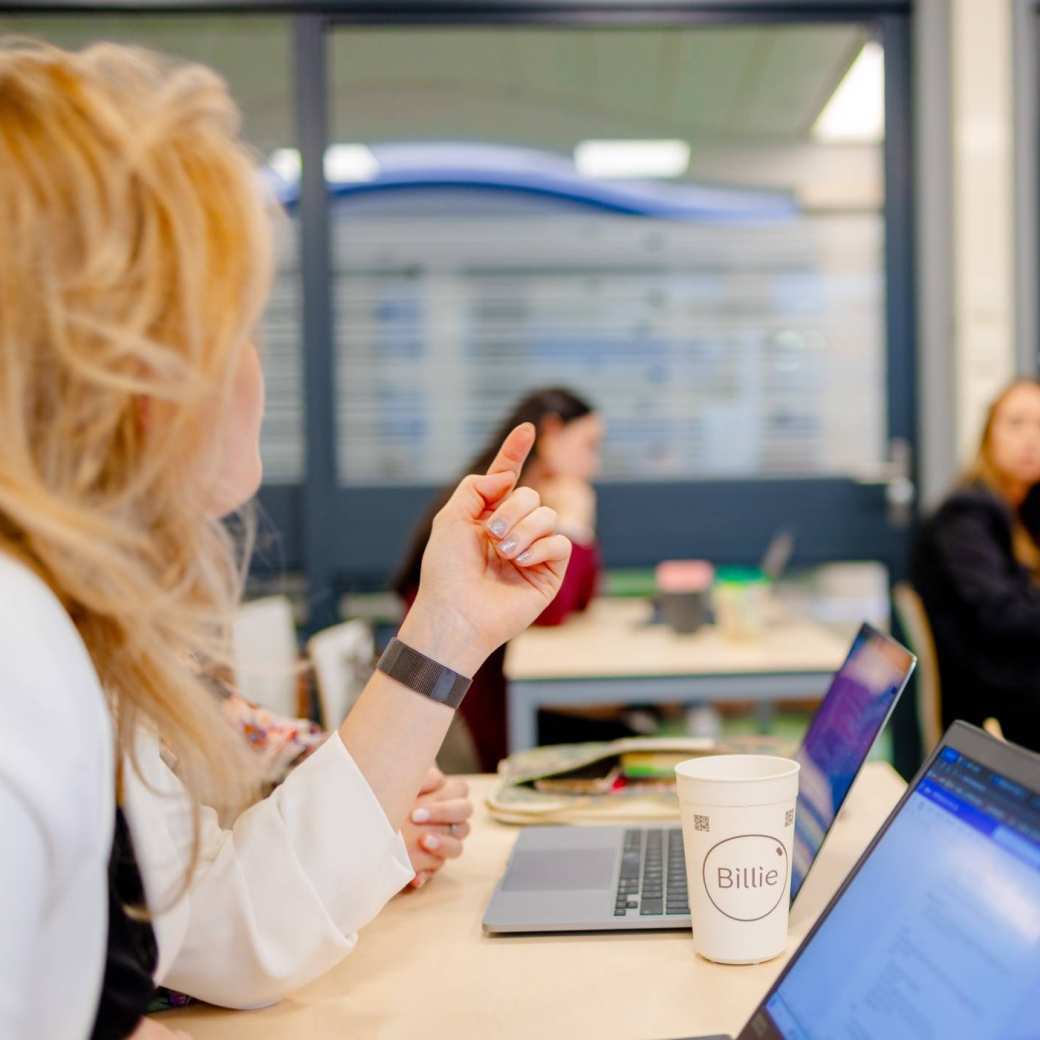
[{"x": 423, "y": 674}]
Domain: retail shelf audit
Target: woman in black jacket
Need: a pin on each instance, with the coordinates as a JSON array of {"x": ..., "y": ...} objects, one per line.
[{"x": 976, "y": 565}]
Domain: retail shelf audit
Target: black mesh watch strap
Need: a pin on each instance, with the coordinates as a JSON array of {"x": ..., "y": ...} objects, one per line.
[{"x": 422, "y": 674}]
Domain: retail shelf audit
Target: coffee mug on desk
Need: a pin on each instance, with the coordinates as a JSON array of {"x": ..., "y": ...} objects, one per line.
[
  {"x": 684, "y": 612},
  {"x": 741, "y": 600},
  {"x": 683, "y": 596},
  {"x": 737, "y": 816}
]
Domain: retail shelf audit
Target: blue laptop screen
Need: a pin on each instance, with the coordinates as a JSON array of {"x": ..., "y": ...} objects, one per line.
[
  {"x": 842, "y": 732},
  {"x": 938, "y": 934}
]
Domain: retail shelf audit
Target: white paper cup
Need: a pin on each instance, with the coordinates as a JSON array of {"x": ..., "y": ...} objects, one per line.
[{"x": 738, "y": 823}]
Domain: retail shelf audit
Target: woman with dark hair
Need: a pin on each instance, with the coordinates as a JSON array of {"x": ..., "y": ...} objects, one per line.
[
  {"x": 565, "y": 459},
  {"x": 976, "y": 566}
]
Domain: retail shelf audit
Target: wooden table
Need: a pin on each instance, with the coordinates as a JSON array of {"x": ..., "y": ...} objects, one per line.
[
  {"x": 423, "y": 970},
  {"x": 611, "y": 654}
]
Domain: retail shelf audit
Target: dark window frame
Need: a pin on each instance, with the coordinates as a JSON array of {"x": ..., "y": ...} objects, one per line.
[{"x": 316, "y": 518}]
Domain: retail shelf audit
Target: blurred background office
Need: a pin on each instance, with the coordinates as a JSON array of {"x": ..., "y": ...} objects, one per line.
[{"x": 788, "y": 249}]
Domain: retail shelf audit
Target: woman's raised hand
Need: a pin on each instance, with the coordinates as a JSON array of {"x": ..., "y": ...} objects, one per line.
[{"x": 493, "y": 563}]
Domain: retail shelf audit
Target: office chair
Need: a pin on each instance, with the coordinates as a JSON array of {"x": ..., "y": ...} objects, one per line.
[
  {"x": 914, "y": 620},
  {"x": 342, "y": 657},
  {"x": 266, "y": 655}
]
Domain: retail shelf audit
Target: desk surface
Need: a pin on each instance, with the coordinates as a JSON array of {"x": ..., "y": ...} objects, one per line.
[
  {"x": 424, "y": 969},
  {"x": 613, "y": 639}
]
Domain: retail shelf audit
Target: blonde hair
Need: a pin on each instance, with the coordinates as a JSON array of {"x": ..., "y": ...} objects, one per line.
[
  {"x": 134, "y": 261},
  {"x": 984, "y": 470}
]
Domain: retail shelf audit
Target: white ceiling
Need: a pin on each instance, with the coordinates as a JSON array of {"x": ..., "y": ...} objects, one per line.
[{"x": 554, "y": 87}]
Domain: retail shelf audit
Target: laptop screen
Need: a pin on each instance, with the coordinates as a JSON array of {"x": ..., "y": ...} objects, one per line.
[
  {"x": 862, "y": 694},
  {"x": 938, "y": 934}
]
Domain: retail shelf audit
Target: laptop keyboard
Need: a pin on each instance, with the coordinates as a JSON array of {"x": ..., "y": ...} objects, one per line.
[{"x": 653, "y": 874}]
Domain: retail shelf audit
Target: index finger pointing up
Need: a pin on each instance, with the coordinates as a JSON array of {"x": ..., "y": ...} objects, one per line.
[{"x": 514, "y": 451}]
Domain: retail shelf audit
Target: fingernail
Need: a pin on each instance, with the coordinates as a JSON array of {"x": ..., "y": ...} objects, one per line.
[
  {"x": 524, "y": 557},
  {"x": 497, "y": 528},
  {"x": 507, "y": 547},
  {"x": 420, "y": 815},
  {"x": 431, "y": 842}
]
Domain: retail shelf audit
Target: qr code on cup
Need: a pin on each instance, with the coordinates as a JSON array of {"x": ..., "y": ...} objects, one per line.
[
  {"x": 789, "y": 817},
  {"x": 702, "y": 823}
]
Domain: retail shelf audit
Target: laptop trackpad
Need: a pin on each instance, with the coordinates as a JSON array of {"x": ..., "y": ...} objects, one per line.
[{"x": 543, "y": 870}]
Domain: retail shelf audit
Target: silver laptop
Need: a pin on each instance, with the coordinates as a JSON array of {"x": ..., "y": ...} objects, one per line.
[
  {"x": 568, "y": 879},
  {"x": 936, "y": 930}
]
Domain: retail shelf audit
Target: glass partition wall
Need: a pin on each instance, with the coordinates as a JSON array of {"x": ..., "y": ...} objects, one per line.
[{"x": 702, "y": 224}]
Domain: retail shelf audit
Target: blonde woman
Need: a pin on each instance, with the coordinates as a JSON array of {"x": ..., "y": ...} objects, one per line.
[
  {"x": 976, "y": 565},
  {"x": 134, "y": 263}
]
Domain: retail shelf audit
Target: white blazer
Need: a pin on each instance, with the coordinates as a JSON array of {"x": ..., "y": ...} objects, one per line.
[
  {"x": 275, "y": 901},
  {"x": 57, "y": 808}
]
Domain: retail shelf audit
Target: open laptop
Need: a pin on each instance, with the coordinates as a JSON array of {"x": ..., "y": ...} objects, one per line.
[
  {"x": 562, "y": 879},
  {"x": 936, "y": 930}
]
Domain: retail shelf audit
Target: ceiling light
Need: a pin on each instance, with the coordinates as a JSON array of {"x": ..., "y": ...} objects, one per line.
[
  {"x": 286, "y": 163},
  {"x": 343, "y": 162},
  {"x": 632, "y": 159},
  {"x": 350, "y": 162},
  {"x": 856, "y": 109}
]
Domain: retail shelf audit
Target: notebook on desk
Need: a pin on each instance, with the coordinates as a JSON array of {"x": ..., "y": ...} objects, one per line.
[
  {"x": 936, "y": 930},
  {"x": 563, "y": 879}
]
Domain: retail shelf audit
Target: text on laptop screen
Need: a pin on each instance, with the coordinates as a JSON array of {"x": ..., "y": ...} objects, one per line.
[
  {"x": 840, "y": 736},
  {"x": 938, "y": 935}
]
